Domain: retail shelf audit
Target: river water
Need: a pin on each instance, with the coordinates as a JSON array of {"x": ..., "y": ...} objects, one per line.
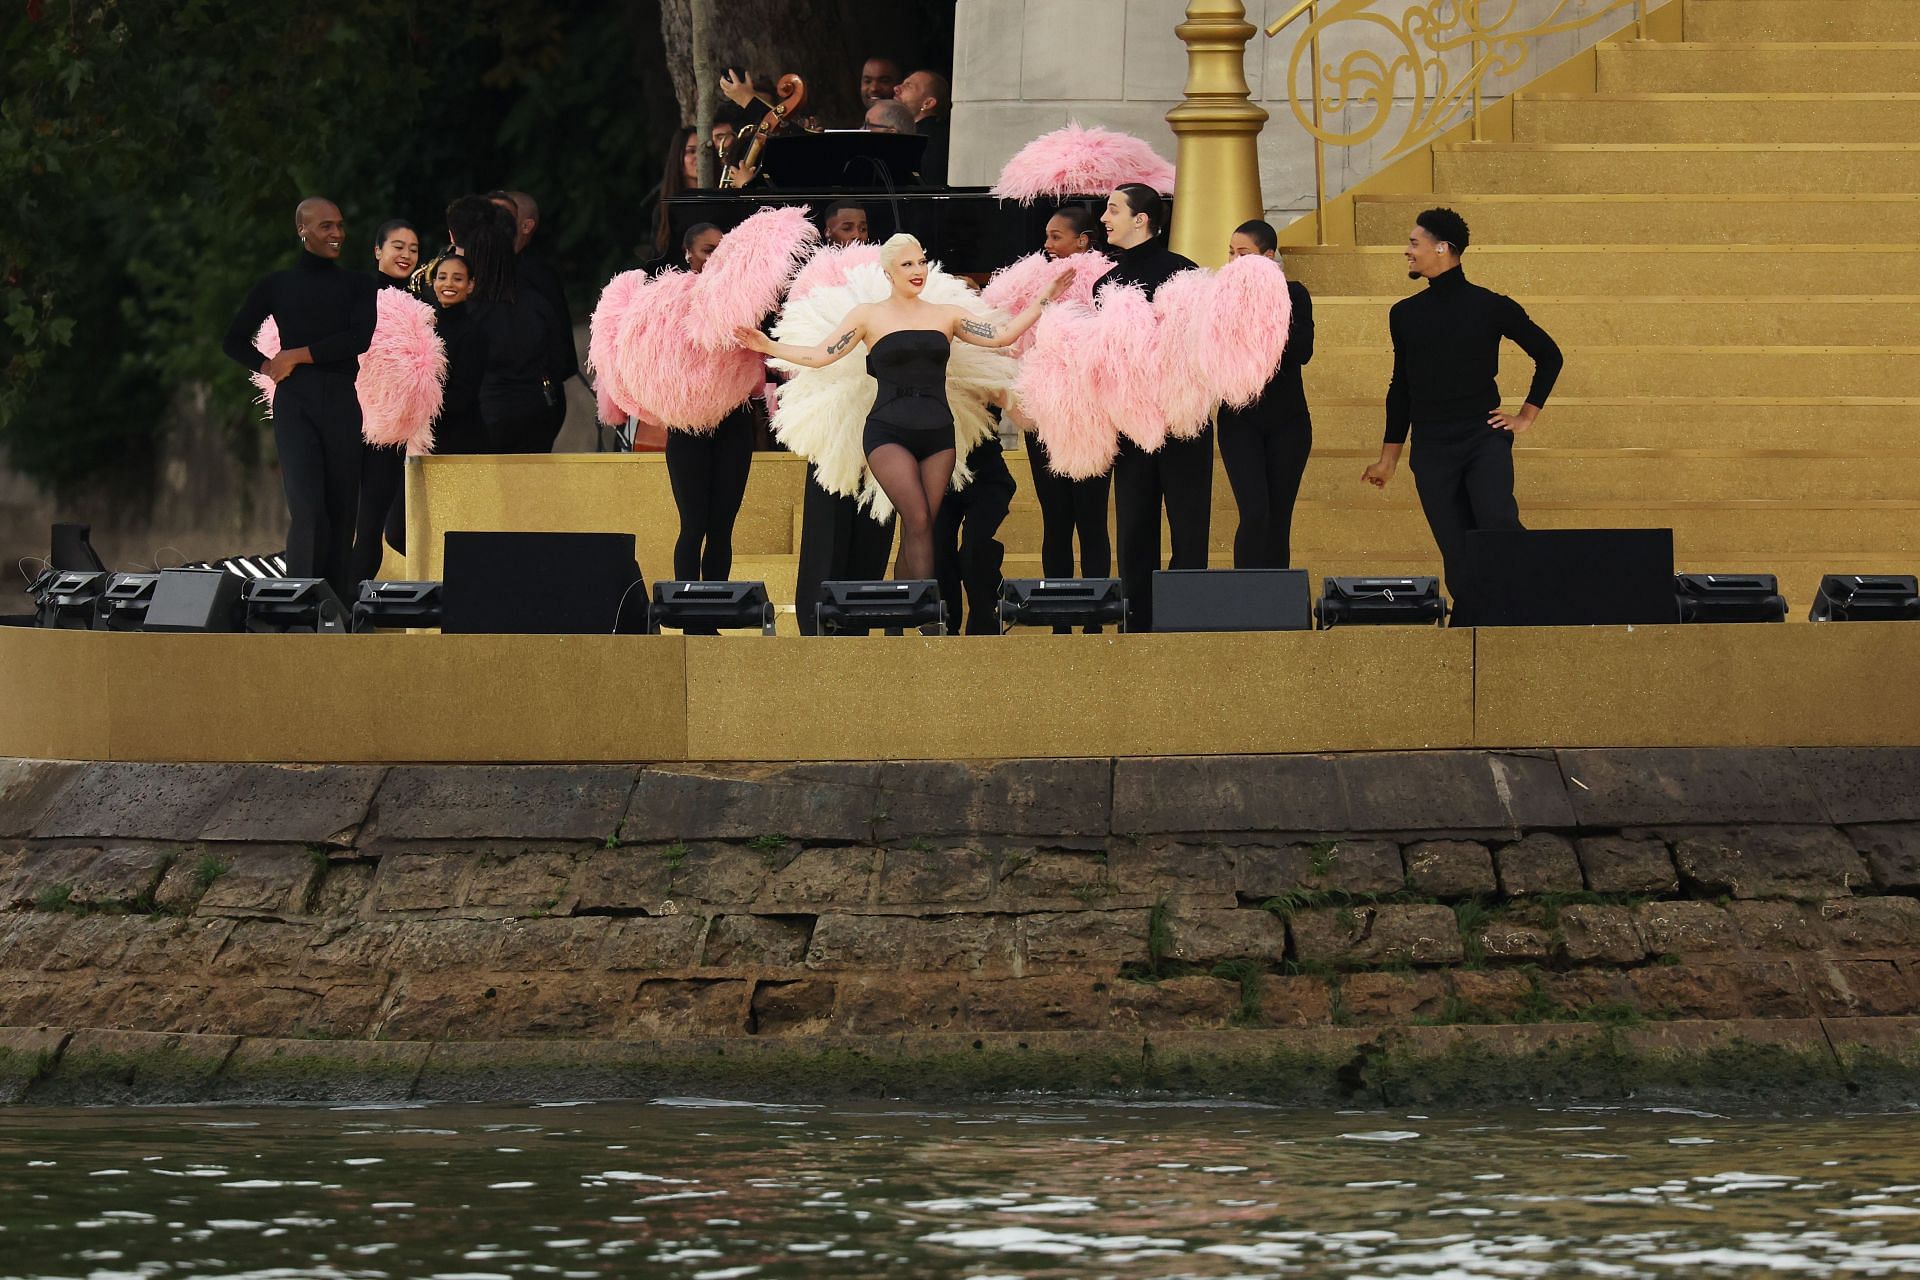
[{"x": 711, "y": 1190}]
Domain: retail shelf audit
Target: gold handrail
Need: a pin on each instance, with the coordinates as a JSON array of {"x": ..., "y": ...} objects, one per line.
[{"x": 1420, "y": 43}]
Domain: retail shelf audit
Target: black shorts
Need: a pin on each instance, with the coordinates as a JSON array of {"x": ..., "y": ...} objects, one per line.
[{"x": 921, "y": 442}]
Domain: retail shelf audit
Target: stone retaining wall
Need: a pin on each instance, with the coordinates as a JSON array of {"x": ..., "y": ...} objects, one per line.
[{"x": 890, "y": 923}]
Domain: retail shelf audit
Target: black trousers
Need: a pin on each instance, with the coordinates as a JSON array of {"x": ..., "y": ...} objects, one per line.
[
  {"x": 967, "y": 556},
  {"x": 708, "y": 472},
  {"x": 383, "y": 510},
  {"x": 1464, "y": 475},
  {"x": 1265, "y": 458},
  {"x": 1070, "y": 507},
  {"x": 316, "y": 428},
  {"x": 1178, "y": 477},
  {"x": 838, "y": 542}
]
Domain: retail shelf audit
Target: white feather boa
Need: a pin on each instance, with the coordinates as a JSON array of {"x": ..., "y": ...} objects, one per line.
[{"x": 822, "y": 412}]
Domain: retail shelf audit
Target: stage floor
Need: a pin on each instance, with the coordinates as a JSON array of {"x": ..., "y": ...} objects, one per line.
[{"x": 428, "y": 697}]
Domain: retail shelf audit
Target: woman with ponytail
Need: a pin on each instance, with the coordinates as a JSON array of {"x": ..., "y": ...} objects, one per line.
[
  {"x": 396, "y": 251},
  {"x": 516, "y": 395}
]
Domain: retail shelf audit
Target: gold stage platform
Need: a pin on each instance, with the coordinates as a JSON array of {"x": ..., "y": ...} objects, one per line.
[{"x": 382, "y": 698}]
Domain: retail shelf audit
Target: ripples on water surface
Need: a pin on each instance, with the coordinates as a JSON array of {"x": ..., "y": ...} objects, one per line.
[{"x": 715, "y": 1191}]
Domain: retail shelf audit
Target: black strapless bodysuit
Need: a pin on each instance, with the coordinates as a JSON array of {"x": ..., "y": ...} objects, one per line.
[{"x": 910, "y": 409}]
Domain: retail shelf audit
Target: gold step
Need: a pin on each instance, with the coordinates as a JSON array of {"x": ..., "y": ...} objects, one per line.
[
  {"x": 1802, "y": 20},
  {"x": 1655, "y": 370},
  {"x": 1752, "y": 67},
  {"x": 1527, "y": 270},
  {"x": 1575, "y": 168},
  {"x": 1790, "y": 320},
  {"x": 1650, "y": 219},
  {"x": 1716, "y": 117},
  {"x": 1673, "y": 424}
]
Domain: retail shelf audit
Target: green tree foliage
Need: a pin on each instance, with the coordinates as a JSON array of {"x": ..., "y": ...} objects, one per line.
[{"x": 151, "y": 153}]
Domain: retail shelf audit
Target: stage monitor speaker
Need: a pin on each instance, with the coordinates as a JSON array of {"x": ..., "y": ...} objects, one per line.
[
  {"x": 1062, "y": 602},
  {"x": 1729, "y": 597},
  {"x": 541, "y": 584},
  {"x": 857, "y": 608},
  {"x": 73, "y": 549},
  {"x": 1565, "y": 578},
  {"x": 288, "y": 606},
  {"x": 707, "y": 608},
  {"x": 1232, "y": 600},
  {"x": 397, "y": 605},
  {"x": 66, "y": 599},
  {"x": 1381, "y": 602},
  {"x": 123, "y": 605},
  {"x": 195, "y": 600},
  {"x": 1872, "y": 597}
]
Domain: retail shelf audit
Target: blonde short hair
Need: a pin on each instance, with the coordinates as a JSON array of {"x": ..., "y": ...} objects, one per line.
[{"x": 896, "y": 248}]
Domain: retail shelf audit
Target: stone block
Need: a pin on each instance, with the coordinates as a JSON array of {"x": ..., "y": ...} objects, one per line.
[
  {"x": 1616, "y": 864},
  {"x": 1194, "y": 1003},
  {"x": 1358, "y": 867},
  {"x": 349, "y": 950},
  {"x": 1159, "y": 868},
  {"x": 28, "y": 788},
  {"x": 820, "y": 879},
  {"x": 722, "y": 875},
  {"x": 47, "y": 876},
  {"x": 133, "y": 1068},
  {"x": 1540, "y": 863},
  {"x": 263, "y": 881},
  {"x": 344, "y": 889},
  {"x": 182, "y": 884},
  {"x": 1295, "y": 1001},
  {"x": 1203, "y": 936},
  {"x": 1051, "y": 875},
  {"x": 587, "y": 1007},
  {"x": 1100, "y": 941},
  {"x": 1449, "y": 868},
  {"x": 872, "y": 1004},
  {"x": 654, "y": 942},
  {"x": 122, "y": 876},
  {"x": 1600, "y": 935},
  {"x": 1453, "y": 791},
  {"x": 1893, "y": 855},
  {"x": 758, "y": 942},
  {"x": 1090, "y": 65},
  {"x": 26, "y": 1054},
  {"x": 934, "y": 877},
  {"x": 137, "y": 801},
  {"x": 1066, "y": 1002},
  {"x": 948, "y": 944},
  {"x": 549, "y": 944},
  {"x": 1865, "y": 784},
  {"x": 1370, "y": 999},
  {"x": 502, "y": 802},
  {"x": 442, "y": 946},
  {"x": 1061, "y": 798},
  {"x": 264, "y": 949},
  {"x": 1492, "y": 995},
  {"x": 272, "y": 1070},
  {"x": 1174, "y": 794},
  {"x": 421, "y": 881},
  {"x": 1369, "y": 935},
  {"x": 802, "y": 1007},
  {"x": 1648, "y": 787},
  {"x": 436, "y": 1006},
  {"x": 1686, "y": 991},
  {"x": 741, "y": 802},
  {"x": 524, "y": 882},
  {"x": 1803, "y": 863},
  {"x": 1674, "y": 928},
  {"x": 68, "y": 943},
  {"x": 629, "y": 878},
  {"x": 1771, "y": 925},
  {"x": 1575, "y": 993},
  {"x": 680, "y": 1008},
  {"x": 1873, "y": 924},
  {"x": 295, "y": 804},
  {"x": 1769, "y": 988},
  {"x": 1515, "y": 942},
  {"x": 1858, "y": 988},
  {"x": 1872, "y": 1046},
  {"x": 159, "y": 946}
]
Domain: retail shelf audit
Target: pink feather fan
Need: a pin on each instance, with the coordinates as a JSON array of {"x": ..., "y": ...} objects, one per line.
[
  {"x": 1121, "y": 358},
  {"x": 402, "y": 377},
  {"x": 611, "y": 314},
  {"x": 1077, "y": 161},
  {"x": 830, "y": 266},
  {"x": 1247, "y": 332},
  {"x": 669, "y": 378},
  {"x": 1183, "y": 311},
  {"x": 1055, "y": 389},
  {"x": 1015, "y": 286},
  {"x": 744, "y": 278}
]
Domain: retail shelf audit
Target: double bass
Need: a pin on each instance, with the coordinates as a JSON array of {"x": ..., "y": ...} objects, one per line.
[{"x": 744, "y": 156}]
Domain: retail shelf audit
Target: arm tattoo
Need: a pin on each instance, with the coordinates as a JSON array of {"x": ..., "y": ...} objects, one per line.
[
  {"x": 978, "y": 328},
  {"x": 844, "y": 341}
]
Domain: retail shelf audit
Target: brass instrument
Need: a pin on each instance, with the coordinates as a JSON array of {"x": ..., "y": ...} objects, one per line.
[{"x": 792, "y": 94}]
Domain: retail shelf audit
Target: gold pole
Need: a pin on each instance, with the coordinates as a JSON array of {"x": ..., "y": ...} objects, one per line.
[
  {"x": 1473, "y": 18},
  {"x": 1218, "y": 125},
  {"x": 1640, "y": 20},
  {"x": 1319, "y": 144}
]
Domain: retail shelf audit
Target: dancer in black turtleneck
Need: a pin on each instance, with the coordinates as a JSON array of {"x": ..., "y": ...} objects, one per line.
[
  {"x": 1446, "y": 356},
  {"x": 1180, "y": 473},
  {"x": 325, "y": 317}
]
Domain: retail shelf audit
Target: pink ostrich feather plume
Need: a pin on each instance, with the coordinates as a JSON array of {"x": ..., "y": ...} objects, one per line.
[
  {"x": 1247, "y": 334},
  {"x": 1122, "y": 358},
  {"x": 1078, "y": 161},
  {"x": 830, "y": 267},
  {"x": 1183, "y": 310},
  {"x": 1015, "y": 286},
  {"x": 1056, "y": 389},
  {"x": 672, "y": 380},
  {"x": 611, "y": 314},
  {"x": 743, "y": 280},
  {"x": 402, "y": 377}
]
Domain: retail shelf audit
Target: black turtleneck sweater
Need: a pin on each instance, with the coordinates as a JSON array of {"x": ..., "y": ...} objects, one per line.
[
  {"x": 315, "y": 305},
  {"x": 1446, "y": 354},
  {"x": 1148, "y": 265}
]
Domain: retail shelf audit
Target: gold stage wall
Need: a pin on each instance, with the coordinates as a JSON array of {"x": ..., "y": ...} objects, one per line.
[{"x": 324, "y": 699}]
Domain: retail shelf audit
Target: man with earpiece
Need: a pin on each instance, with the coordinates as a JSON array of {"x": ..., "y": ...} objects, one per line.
[{"x": 1446, "y": 359}]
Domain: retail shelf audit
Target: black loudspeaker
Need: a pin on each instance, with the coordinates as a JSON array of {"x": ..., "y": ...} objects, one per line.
[
  {"x": 709, "y": 607},
  {"x": 1855, "y": 597},
  {"x": 397, "y": 605},
  {"x": 1062, "y": 602},
  {"x": 1232, "y": 600},
  {"x": 541, "y": 584},
  {"x": 66, "y": 598},
  {"x": 282, "y": 606},
  {"x": 857, "y": 608},
  {"x": 123, "y": 605},
  {"x": 1565, "y": 578},
  {"x": 195, "y": 600},
  {"x": 1729, "y": 597},
  {"x": 1376, "y": 602}
]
